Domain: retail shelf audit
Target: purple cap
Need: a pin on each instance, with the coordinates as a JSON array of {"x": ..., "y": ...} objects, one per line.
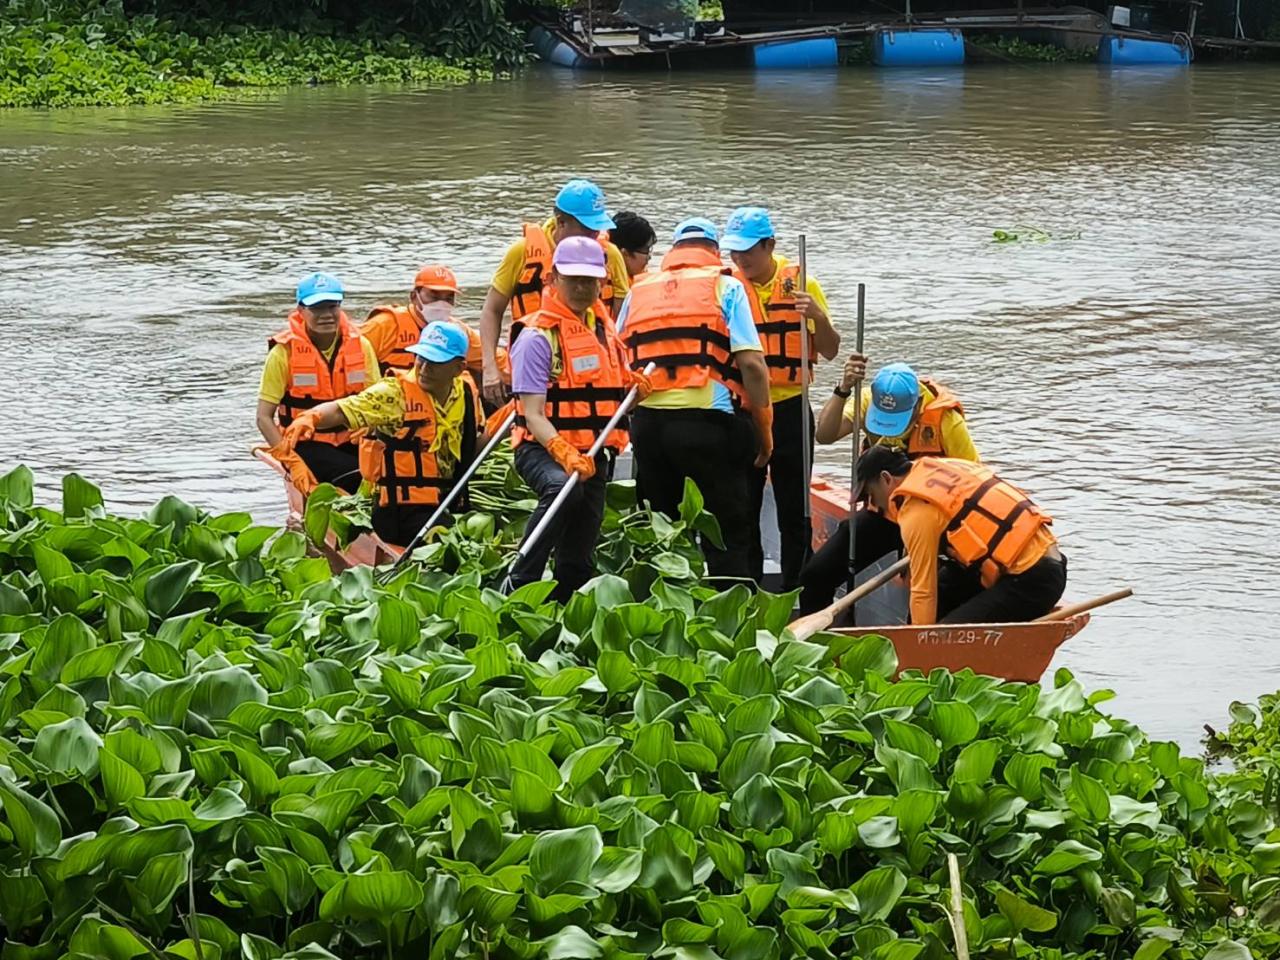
[{"x": 579, "y": 257}]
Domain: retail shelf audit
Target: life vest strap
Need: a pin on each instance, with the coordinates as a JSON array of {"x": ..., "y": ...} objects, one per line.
[
  {"x": 637, "y": 338},
  {"x": 1003, "y": 525}
]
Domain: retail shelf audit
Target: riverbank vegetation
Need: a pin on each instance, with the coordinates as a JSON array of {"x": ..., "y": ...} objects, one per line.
[
  {"x": 56, "y": 53},
  {"x": 210, "y": 747}
]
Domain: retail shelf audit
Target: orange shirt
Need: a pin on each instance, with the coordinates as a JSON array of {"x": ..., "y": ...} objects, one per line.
[{"x": 922, "y": 525}]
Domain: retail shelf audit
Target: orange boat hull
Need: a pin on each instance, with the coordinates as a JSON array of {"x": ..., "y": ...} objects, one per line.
[
  {"x": 1011, "y": 651},
  {"x": 367, "y": 549}
]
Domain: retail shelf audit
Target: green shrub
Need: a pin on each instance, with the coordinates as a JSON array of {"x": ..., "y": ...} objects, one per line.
[{"x": 211, "y": 746}]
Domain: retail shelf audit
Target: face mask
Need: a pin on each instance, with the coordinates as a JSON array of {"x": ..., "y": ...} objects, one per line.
[{"x": 436, "y": 310}]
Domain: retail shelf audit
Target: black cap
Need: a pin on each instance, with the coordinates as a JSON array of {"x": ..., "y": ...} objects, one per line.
[{"x": 878, "y": 460}]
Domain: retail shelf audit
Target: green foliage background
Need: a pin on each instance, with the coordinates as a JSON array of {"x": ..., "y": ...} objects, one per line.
[{"x": 56, "y": 53}]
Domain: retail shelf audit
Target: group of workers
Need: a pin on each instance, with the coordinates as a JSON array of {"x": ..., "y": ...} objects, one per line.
[{"x": 720, "y": 357}]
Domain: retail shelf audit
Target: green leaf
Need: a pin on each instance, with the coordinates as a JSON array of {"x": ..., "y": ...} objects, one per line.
[
  {"x": 161, "y": 878},
  {"x": 1067, "y": 856},
  {"x": 560, "y": 857},
  {"x": 1229, "y": 950},
  {"x": 69, "y": 748},
  {"x": 878, "y": 892},
  {"x": 119, "y": 779},
  {"x": 616, "y": 869},
  {"x": 372, "y": 896},
  {"x": 34, "y": 824},
  {"x": 976, "y": 761},
  {"x": 289, "y": 877},
  {"x": 165, "y": 590},
  {"x": 1153, "y": 949},
  {"x": 79, "y": 496},
  {"x": 583, "y": 764},
  {"x": 17, "y": 487},
  {"x": 1023, "y": 915},
  {"x": 954, "y": 722},
  {"x": 1087, "y": 797}
]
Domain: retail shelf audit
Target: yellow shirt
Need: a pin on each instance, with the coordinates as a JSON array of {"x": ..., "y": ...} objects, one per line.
[
  {"x": 956, "y": 441},
  {"x": 508, "y": 273},
  {"x": 381, "y": 407},
  {"x": 764, "y": 293},
  {"x": 922, "y": 525},
  {"x": 275, "y": 373}
]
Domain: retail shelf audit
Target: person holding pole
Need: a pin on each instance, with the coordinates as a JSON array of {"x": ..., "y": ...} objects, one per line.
[
  {"x": 421, "y": 426},
  {"x": 902, "y": 411},
  {"x": 794, "y": 323},
  {"x": 570, "y": 377}
]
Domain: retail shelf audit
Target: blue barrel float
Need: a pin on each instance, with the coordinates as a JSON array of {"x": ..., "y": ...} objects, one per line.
[
  {"x": 797, "y": 54},
  {"x": 917, "y": 48},
  {"x": 1133, "y": 51},
  {"x": 554, "y": 50}
]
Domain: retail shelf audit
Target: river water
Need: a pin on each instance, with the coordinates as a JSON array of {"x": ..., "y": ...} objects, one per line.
[{"x": 1126, "y": 377}]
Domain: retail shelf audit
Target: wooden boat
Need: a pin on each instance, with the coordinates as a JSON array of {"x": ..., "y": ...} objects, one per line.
[
  {"x": 1011, "y": 651},
  {"x": 367, "y": 549}
]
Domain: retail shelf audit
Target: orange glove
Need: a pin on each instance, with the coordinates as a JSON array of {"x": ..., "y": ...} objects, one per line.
[
  {"x": 764, "y": 427},
  {"x": 570, "y": 458},
  {"x": 302, "y": 428},
  {"x": 642, "y": 383}
]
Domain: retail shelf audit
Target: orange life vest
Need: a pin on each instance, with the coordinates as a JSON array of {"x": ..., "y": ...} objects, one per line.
[
  {"x": 925, "y": 436},
  {"x": 408, "y": 329},
  {"x": 313, "y": 380},
  {"x": 779, "y": 326},
  {"x": 538, "y": 251},
  {"x": 991, "y": 520},
  {"x": 409, "y": 472},
  {"x": 590, "y": 383},
  {"x": 674, "y": 321}
]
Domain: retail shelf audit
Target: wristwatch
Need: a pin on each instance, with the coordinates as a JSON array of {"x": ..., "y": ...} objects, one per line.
[{"x": 842, "y": 394}]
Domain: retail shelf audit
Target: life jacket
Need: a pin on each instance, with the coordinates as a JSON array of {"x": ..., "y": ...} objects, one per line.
[
  {"x": 409, "y": 472},
  {"x": 925, "y": 436},
  {"x": 538, "y": 251},
  {"x": 408, "y": 329},
  {"x": 590, "y": 378},
  {"x": 675, "y": 321},
  {"x": 313, "y": 380},
  {"x": 991, "y": 520},
  {"x": 779, "y": 324}
]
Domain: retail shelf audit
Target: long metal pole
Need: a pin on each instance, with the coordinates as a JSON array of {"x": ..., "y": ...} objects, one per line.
[
  {"x": 806, "y": 451},
  {"x": 456, "y": 490},
  {"x": 857, "y": 443},
  {"x": 572, "y": 482}
]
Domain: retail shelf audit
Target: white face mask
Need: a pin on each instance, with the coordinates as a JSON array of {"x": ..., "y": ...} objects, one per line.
[{"x": 436, "y": 310}]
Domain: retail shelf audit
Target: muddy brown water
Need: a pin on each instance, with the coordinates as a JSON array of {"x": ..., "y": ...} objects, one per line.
[{"x": 1128, "y": 378}]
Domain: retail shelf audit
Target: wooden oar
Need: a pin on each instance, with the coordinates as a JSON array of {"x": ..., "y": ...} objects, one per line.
[
  {"x": 1084, "y": 606},
  {"x": 808, "y": 625},
  {"x": 806, "y": 451}
]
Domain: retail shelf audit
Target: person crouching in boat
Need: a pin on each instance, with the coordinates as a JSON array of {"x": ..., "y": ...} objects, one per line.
[
  {"x": 569, "y": 376},
  {"x": 318, "y": 357},
  {"x": 901, "y": 411},
  {"x": 394, "y": 328},
  {"x": 1006, "y": 566},
  {"x": 422, "y": 427}
]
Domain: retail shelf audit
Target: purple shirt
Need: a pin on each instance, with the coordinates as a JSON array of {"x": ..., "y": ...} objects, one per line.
[{"x": 530, "y": 363}]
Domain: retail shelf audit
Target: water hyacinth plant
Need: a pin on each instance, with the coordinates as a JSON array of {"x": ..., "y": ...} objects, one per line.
[{"x": 212, "y": 748}]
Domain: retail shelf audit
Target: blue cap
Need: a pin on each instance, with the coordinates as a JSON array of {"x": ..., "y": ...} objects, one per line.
[
  {"x": 747, "y": 226},
  {"x": 695, "y": 228},
  {"x": 442, "y": 341},
  {"x": 584, "y": 201},
  {"x": 894, "y": 393},
  {"x": 318, "y": 288}
]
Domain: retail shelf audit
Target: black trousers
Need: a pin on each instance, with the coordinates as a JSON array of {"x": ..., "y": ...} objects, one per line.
[
  {"x": 715, "y": 451},
  {"x": 1016, "y": 598},
  {"x": 786, "y": 471},
  {"x": 337, "y": 465},
  {"x": 399, "y": 525},
  {"x": 829, "y": 567},
  {"x": 576, "y": 527}
]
